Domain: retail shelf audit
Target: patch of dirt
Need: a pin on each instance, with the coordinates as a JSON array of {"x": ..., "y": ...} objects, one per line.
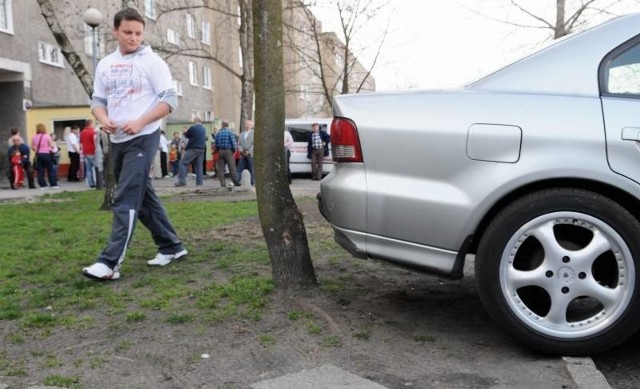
[{"x": 397, "y": 328}]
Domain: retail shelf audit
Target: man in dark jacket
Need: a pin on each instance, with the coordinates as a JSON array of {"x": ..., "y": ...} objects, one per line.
[
  {"x": 23, "y": 150},
  {"x": 317, "y": 149},
  {"x": 193, "y": 152}
]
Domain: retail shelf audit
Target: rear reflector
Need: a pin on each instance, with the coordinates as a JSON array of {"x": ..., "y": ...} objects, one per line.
[{"x": 345, "y": 143}]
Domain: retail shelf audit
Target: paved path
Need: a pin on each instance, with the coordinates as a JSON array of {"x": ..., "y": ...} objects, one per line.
[{"x": 300, "y": 186}]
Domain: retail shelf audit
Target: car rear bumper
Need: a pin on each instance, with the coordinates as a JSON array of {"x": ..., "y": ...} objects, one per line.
[{"x": 406, "y": 254}]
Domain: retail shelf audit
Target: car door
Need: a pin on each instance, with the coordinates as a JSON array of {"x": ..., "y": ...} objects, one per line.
[{"x": 620, "y": 91}]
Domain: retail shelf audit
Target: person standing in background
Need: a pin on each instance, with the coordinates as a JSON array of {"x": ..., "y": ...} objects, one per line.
[
  {"x": 19, "y": 148},
  {"x": 14, "y": 132},
  {"x": 225, "y": 143},
  {"x": 288, "y": 145},
  {"x": 193, "y": 153},
  {"x": 164, "y": 150},
  {"x": 88, "y": 149},
  {"x": 99, "y": 161},
  {"x": 317, "y": 149},
  {"x": 43, "y": 145},
  {"x": 245, "y": 145},
  {"x": 73, "y": 151},
  {"x": 173, "y": 160},
  {"x": 56, "y": 152}
]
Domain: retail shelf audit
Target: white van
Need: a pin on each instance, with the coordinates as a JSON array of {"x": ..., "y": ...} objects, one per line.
[{"x": 300, "y": 129}]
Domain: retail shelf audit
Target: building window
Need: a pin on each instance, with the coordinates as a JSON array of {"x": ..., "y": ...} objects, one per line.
[
  {"x": 195, "y": 114},
  {"x": 6, "y": 16},
  {"x": 50, "y": 54},
  {"x": 150, "y": 9},
  {"x": 208, "y": 117},
  {"x": 303, "y": 92},
  {"x": 173, "y": 36},
  {"x": 206, "y": 33},
  {"x": 191, "y": 26},
  {"x": 206, "y": 77},
  {"x": 177, "y": 85},
  {"x": 193, "y": 73}
]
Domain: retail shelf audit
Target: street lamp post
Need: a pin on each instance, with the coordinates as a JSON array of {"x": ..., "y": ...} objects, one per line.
[{"x": 93, "y": 18}]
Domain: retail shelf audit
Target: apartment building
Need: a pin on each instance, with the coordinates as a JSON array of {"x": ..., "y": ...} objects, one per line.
[
  {"x": 37, "y": 85},
  {"x": 313, "y": 64}
]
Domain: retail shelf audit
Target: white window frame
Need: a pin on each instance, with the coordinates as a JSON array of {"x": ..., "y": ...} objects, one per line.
[
  {"x": 208, "y": 116},
  {"x": 177, "y": 85},
  {"x": 173, "y": 36},
  {"x": 50, "y": 54},
  {"x": 150, "y": 9},
  {"x": 195, "y": 114},
  {"x": 191, "y": 26},
  {"x": 206, "y": 77},
  {"x": 206, "y": 33},
  {"x": 6, "y": 10},
  {"x": 193, "y": 73}
]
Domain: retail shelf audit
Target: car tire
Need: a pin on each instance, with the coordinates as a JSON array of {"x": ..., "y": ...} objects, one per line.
[{"x": 559, "y": 270}]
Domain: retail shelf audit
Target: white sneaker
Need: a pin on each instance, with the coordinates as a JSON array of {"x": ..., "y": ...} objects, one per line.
[
  {"x": 100, "y": 271},
  {"x": 165, "y": 259}
]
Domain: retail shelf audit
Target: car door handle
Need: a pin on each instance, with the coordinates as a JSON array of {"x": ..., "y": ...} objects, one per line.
[{"x": 631, "y": 133}]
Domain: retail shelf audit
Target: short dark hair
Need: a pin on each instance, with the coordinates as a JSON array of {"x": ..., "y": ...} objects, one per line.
[
  {"x": 127, "y": 14},
  {"x": 14, "y": 131}
]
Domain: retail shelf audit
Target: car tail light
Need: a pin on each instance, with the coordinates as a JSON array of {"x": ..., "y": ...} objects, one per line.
[{"x": 345, "y": 143}]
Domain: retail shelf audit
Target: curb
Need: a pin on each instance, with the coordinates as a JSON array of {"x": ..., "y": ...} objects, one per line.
[{"x": 585, "y": 374}]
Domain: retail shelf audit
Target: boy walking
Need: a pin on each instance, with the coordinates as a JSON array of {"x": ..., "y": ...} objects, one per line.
[{"x": 133, "y": 91}]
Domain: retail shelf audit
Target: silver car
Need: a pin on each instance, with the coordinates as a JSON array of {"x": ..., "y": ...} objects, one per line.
[{"x": 535, "y": 169}]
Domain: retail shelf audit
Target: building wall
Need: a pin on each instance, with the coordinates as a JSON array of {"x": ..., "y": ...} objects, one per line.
[
  {"x": 334, "y": 59},
  {"x": 226, "y": 48},
  {"x": 304, "y": 91},
  {"x": 303, "y": 88}
]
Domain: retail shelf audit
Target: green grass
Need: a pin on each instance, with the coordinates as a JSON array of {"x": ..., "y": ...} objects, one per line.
[
  {"x": 62, "y": 381},
  {"x": 266, "y": 340},
  {"x": 331, "y": 341},
  {"x": 313, "y": 328},
  {"x": 42, "y": 292},
  {"x": 46, "y": 243},
  {"x": 424, "y": 338}
]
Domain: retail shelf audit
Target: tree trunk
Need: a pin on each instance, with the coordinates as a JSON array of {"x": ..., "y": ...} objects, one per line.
[
  {"x": 281, "y": 221},
  {"x": 246, "y": 48},
  {"x": 560, "y": 27}
]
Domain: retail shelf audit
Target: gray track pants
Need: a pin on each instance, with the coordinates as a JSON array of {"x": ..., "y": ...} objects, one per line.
[{"x": 135, "y": 198}]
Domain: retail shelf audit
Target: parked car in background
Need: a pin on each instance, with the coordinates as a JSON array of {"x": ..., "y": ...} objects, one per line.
[
  {"x": 300, "y": 129},
  {"x": 534, "y": 169}
]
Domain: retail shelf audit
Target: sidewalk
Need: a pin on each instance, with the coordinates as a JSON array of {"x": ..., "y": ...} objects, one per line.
[{"x": 300, "y": 186}]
